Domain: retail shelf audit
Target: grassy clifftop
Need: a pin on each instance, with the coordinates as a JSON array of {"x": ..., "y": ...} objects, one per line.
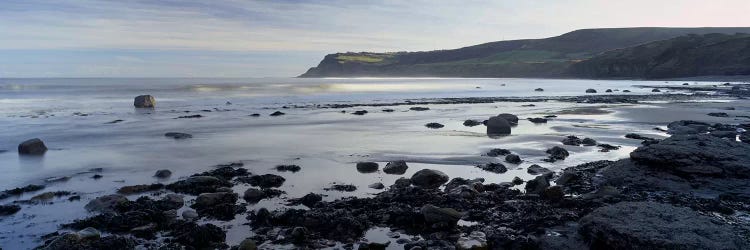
[{"x": 549, "y": 57}]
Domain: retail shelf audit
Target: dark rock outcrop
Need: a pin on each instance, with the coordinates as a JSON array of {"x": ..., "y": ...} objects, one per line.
[{"x": 32, "y": 147}]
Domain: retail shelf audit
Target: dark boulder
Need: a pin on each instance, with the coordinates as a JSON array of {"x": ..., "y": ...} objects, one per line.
[
  {"x": 288, "y": 168},
  {"x": 498, "y": 126},
  {"x": 32, "y": 147},
  {"x": 308, "y": 200},
  {"x": 513, "y": 158},
  {"x": 698, "y": 155},
  {"x": 687, "y": 127},
  {"x": 277, "y": 113},
  {"x": 163, "y": 173},
  {"x": 434, "y": 125},
  {"x": 557, "y": 153},
  {"x": 539, "y": 89},
  {"x": 537, "y": 120},
  {"x": 494, "y": 167},
  {"x": 266, "y": 180},
  {"x": 537, "y": 170},
  {"x": 9, "y": 209},
  {"x": 590, "y": 91},
  {"x": 178, "y": 135},
  {"x": 472, "y": 123},
  {"x": 588, "y": 142},
  {"x": 367, "y": 167},
  {"x": 144, "y": 101},
  {"x": 495, "y": 152},
  {"x": 537, "y": 185},
  {"x": 395, "y": 167},
  {"x": 572, "y": 141},
  {"x": 429, "y": 178},
  {"x": 196, "y": 185},
  {"x": 511, "y": 118}
]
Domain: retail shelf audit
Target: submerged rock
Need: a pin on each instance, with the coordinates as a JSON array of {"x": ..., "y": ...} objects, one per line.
[
  {"x": 144, "y": 101},
  {"x": 419, "y": 108},
  {"x": 429, "y": 178},
  {"x": 434, "y": 125},
  {"x": 32, "y": 147},
  {"x": 494, "y": 167},
  {"x": 342, "y": 188},
  {"x": 377, "y": 185},
  {"x": 288, "y": 168},
  {"x": 395, "y": 167},
  {"x": 557, "y": 153},
  {"x": 588, "y": 142},
  {"x": 472, "y": 123},
  {"x": 590, "y": 91},
  {"x": 266, "y": 180},
  {"x": 163, "y": 173},
  {"x": 367, "y": 167},
  {"x": 9, "y": 209},
  {"x": 537, "y": 120},
  {"x": 495, "y": 152},
  {"x": 277, "y": 113},
  {"x": 718, "y": 114},
  {"x": 572, "y": 141},
  {"x": 649, "y": 225},
  {"x": 498, "y": 126},
  {"x": 513, "y": 158},
  {"x": 178, "y": 135}
]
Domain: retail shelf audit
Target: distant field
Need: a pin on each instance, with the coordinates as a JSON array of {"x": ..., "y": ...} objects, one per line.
[{"x": 361, "y": 58}]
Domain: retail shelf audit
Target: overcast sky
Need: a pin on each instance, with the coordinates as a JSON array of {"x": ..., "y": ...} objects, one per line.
[{"x": 234, "y": 38}]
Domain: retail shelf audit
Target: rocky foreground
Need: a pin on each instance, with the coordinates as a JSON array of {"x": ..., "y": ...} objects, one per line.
[{"x": 689, "y": 191}]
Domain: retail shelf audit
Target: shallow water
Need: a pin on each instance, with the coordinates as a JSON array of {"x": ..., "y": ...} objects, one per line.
[{"x": 72, "y": 115}]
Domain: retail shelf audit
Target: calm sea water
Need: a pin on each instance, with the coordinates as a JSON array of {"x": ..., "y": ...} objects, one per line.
[{"x": 73, "y": 117}]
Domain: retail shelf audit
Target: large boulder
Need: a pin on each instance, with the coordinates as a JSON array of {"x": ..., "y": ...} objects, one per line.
[
  {"x": 144, "y": 101},
  {"x": 106, "y": 203},
  {"x": 650, "y": 225},
  {"x": 367, "y": 167},
  {"x": 32, "y": 147},
  {"x": 429, "y": 178},
  {"x": 498, "y": 126},
  {"x": 537, "y": 185},
  {"x": 395, "y": 167},
  {"x": 511, "y": 118},
  {"x": 697, "y": 155}
]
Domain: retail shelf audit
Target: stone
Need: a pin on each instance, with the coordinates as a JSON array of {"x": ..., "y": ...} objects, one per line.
[
  {"x": 537, "y": 120},
  {"x": 513, "y": 158},
  {"x": 266, "y": 180},
  {"x": 537, "y": 185},
  {"x": 655, "y": 90},
  {"x": 651, "y": 225},
  {"x": 511, "y": 118},
  {"x": 9, "y": 209},
  {"x": 247, "y": 244},
  {"x": 367, "y": 167},
  {"x": 472, "y": 123},
  {"x": 498, "y": 126},
  {"x": 495, "y": 152},
  {"x": 494, "y": 167},
  {"x": 277, "y": 113},
  {"x": 32, "y": 147},
  {"x": 537, "y": 170},
  {"x": 207, "y": 200},
  {"x": 299, "y": 234},
  {"x": 106, "y": 203},
  {"x": 588, "y": 142},
  {"x": 434, "y": 125},
  {"x": 429, "y": 178},
  {"x": 395, "y": 167},
  {"x": 419, "y": 108},
  {"x": 253, "y": 195},
  {"x": 553, "y": 193},
  {"x": 474, "y": 241},
  {"x": 178, "y": 135},
  {"x": 163, "y": 173},
  {"x": 539, "y": 89},
  {"x": 557, "y": 153},
  {"x": 590, "y": 91},
  {"x": 433, "y": 214},
  {"x": 697, "y": 155},
  {"x": 572, "y": 140},
  {"x": 288, "y": 168},
  {"x": 377, "y": 185},
  {"x": 144, "y": 101}
]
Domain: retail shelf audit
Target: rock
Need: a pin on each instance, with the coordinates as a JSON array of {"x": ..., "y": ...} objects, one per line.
[
  {"x": 511, "y": 118},
  {"x": 376, "y": 185},
  {"x": 178, "y": 135},
  {"x": 429, "y": 178},
  {"x": 189, "y": 215},
  {"x": 537, "y": 185},
  {"x": 32, "y": 147},
  {"x": 419, "y": 108},
  {"x": 554, "y": 193},
  {"x": 474, "y": 241},
  {"x": 537, "y": 170},
  {"x": 537, "y": 120},
  {"x": 475, "y": 184},
  {"x": 207, "y": 200},
  {"x": 174, "y": 201},
  {"x": 718, "y": 114},
  {"x": 626, "y": 91},
  {"x": 106, "y": 203},
  {"x": 517, "y": 181},
  {"x": 163, "y": 173},
  {"x": 144, "y": 101},
  {"x": 247, "y": 244},
  {"x": 588, "y": 142},
  {"x": 308, "y": 200},
  {"x": 687, "y": 127},
  {"x": 539, "y": 89},
  {"x": 472, "y": 123},
  {"x": 434, "y": 125},
  {"x": 655, "y": 90},
  {"x": 395, "y": 167},
  {"x": 498, "y": 126},
  {"x": 435, "y": 215},
  {"x": 205, "y": 236},
  {"x": 590, "y": 91},
  {"x": 402, "y": 182},
  {"x": 557, "y": 153},
  {"x": 608, "y": 91},
  {"x": 607, "y": 147},
  {"x": 724, "y": 134},
  {"x": 196, "y": 185},
  {"x": 189, "y": 116},
  {"x": 255, "y": 115},
  {"x": 288, "y": 168},
  {"x": 299, "y": 234},
  {"x": 650, "y": 225},
  {"x": 89, "y": 233},
  {"x": 135, "y": 189},
  {"x": 495, "y": 152},
  {"x": 367, "y": 167},
  {"x": 266, "y": 180},
  {"x": 572, "y": 141},
  {"x": 388, "y": 110},
  {"x": 360, "y": 112},
  {"x": 277, "y": 113},
  {"x": 697, "y": 155},
  {"x": 342, "y": 188},
  {"x": 494, "y": 167},
  {"x": 513, "y": 158},
  {"x": 686, "y": 84},
  {"x": 253, "y": 195},
  {"x": 10, "y": 209}
]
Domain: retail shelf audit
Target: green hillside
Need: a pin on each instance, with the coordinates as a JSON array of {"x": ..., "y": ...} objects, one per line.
[{"x": 549, "y": 57}]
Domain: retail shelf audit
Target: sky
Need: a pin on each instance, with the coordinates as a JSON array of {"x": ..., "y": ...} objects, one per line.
[{"x": 283, "y": 38}]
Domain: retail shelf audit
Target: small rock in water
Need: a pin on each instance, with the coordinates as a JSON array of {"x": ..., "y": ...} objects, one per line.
[
  {"x": 255, "y": 115},
  {"x": 189, "y": 116},
  {"x": 517, "y": 181},
  {"x": 266, "y": 180},
  {"x": 495, "y": 152},
  {"x": 10, "y": 209},
  {"x": 718, "y": 114},
  {"x": 288, "y": 168},
  {"x": 144, "y": 101},
  {"x": 434, "y": 125},
  {"x": 513, "y": 158},
  {"x": 537, "y": 170},
  {"x": 32, "y": 147},
  {"x": 419, "y": 108},
  {"x": 591, "y": 91},
  {"x": 178, "y": 135},
  {"x": 498, "y": 126},
  {"x": 429, "y": 178},
  {"x": 537, "y": 185},
  {"x": 163, "y": 173},
  {"x": 135, "y": 189},
  {"x": 626, "y": 91},
  {"x": 106, "y": 203},
  {"x": 388, "y": 110},
  {"x": 472, "y": 123},
  {"x": 572, "y": 140},
  {"x": 377, "y": 185},
  {"x": 537, "y": 120},
  {"x": 342, "y": 188},
  {"x": 539, "y": 89},
  {"x": 395, "y": 167},
  {"x": 608, "y": 91},
  {"x": 494, "y": 167},
  {"x": 557, "y": 153},
  {"x": 606, "y": 147},
  {"x": 360, "y": 112},
  {"x": 308, "y": 200},
  {"x": 588, "y": 142},
  {"x": 655, "y": 90},
  {"x": 367, "y": 167},
  {"x": 277, "y": 113}
]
